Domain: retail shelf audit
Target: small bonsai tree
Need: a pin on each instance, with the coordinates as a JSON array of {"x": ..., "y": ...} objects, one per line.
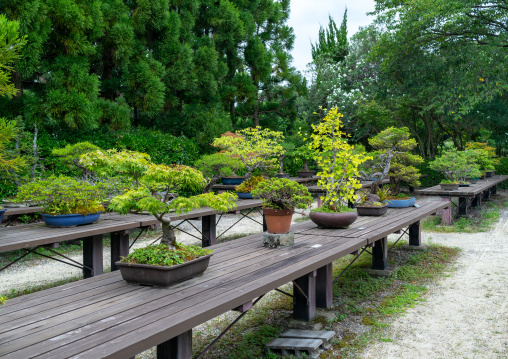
[
  {"x": 154, "y": 196},
  {"x": 283, "y": 193},
  {"x": 216, "y": 166},
  {"x": 250, "y": 184},
  {"x": 64, "y": 195},
  {"x": 338, "y": 162},
  {"x": 395, "y": 159},
  {"x": 130, "y": 164},
  {"x": 69, "y": 156},
  {"x": 257, "y": 148},
  {"x": 456, "y": 166}
]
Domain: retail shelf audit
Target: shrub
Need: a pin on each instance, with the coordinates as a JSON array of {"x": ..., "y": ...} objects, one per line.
[
  {"x": 249, "y": 184},
  {"x": 283, "y": 193}
]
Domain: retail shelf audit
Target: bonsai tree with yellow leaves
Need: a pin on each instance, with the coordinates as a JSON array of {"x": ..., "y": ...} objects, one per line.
[
  {"x": 339, "y": 171},
  {"x": 257, "y": 148}
]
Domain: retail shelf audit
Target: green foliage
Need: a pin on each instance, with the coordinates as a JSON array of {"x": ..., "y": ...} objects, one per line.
[
  {"x": 432, "y": 177},
  {"x": 10, "y": 46},
  {"x": 502, "y": 169},
  {"x": 332, "y": 42},
  {"x": 218, "y": 165},
  {"x": 10, "y": 161},
  {"x": 338, "y": 162},
  {"x": 69, "y": 155},
  {"x": 64, "y": 195},
  {"x": 341, "y": 209},
  {"x": 283, "y": 193},
  {"x": 161, "y": 255},
  {"x": 249, "y": 184},
  {"x": 457, "y": 165}
]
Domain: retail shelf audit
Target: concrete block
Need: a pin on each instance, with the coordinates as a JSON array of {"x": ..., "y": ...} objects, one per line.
[
  {"x": 295, "y": 347},
  {"x": 407, "y": 247},
  {"x": 304, "y": 325},
  {"x": 324, "y": 335},
  {"x": 273, "y": 240},
  {"x": 381, "y": 272}
]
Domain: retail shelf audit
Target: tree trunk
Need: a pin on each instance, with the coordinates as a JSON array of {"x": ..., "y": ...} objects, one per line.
[
  {"x": 168, "y": 234},
  {"x": 34, "y": 166}
]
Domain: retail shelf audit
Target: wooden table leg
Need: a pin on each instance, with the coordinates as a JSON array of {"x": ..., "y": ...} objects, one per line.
[
  {"x": 380, "y": 254},
  {"x": 493, "y": 190},
  {"x": 119, "y": 247},
  {"x": 415, "y": 234},
  {"x": 265, "y": 228},
  {"x": 486, "y": 195},
  {"x": 179, "y": 347},
  {"x": 477, "y": 201},
  {"x": 324, "y": 286},
  {"x": 209, "y": 230},
  {"x": 304, "y": 304},
  {"x": 92, "y": 256},
  {"x": 446, "y": 213},
  {"x": 463, "y": 206}
]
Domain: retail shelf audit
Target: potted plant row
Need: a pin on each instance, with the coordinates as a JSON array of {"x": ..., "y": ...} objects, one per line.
[{"x": 280, "y": 198}]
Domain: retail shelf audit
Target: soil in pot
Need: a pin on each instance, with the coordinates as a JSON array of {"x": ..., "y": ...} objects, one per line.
[
  {"x": 371, "y": 210},
  {"x": 333, "y": 219},
  {"x": 278, "y": 221},
  {"x": 161, "y": 276},
  {"x": 70, "y": 220}
]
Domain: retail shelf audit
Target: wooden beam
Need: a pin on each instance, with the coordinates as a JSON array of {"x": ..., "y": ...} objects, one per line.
[
  {"x": 446, "y": 213},
  {"x": 380, "y": 254},
  {"x": 119, "y": 247},
  {"x": 324, "y": 286},
  {"x": 415, "y": 234},
  {"x": 179, "y": 347},
  {"x": 92, "y": 256},
  {"x": 304, "y": 304},
  {"x": 209, "y": 230}
]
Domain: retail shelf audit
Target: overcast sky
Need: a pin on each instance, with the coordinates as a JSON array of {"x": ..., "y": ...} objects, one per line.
[{"x": 308, "y": 15}]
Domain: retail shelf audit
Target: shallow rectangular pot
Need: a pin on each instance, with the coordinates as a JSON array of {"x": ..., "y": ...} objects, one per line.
[
  {"x": 161, "y": 276},
  {"x": 371, "y": 211}
]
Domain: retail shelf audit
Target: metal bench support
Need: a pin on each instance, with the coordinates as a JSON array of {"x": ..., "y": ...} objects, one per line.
[
  {"x": 380, "y": 254},
  {"x": 179, "y": 347},
  {"x": 304, "y": 302},
  {"x": 415, "y": 234},
  {"x": 324, "y": 286},
  {"x": 119, "y": 247},
  {"x": 92, "y": 256}
]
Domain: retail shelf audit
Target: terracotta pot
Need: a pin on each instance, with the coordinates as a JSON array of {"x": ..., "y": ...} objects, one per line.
[
  {"x": 333, "y": 220},
  {"x": 160, "y": 276},
  {"x": 278, "y": 221},
  {"x": 371, "y": 211}
]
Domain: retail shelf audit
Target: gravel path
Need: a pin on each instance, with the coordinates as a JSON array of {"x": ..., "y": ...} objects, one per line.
[{"x": 466, "y": 314}]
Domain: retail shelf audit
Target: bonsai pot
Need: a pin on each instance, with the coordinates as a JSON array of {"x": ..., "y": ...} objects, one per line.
[
  {"x": 70, "y": 220},
  {"x": 2, "y": 211},
  {"x": 371, "y": 210},
  {"x": 464, "y": 184},
  {"x": 305, "y": 174},
  {"x": 472, "y": 180},
  {"x": 333, "y": 220},
  {"x": 449, "y": 186},
  {"x": 232, "y": 180},
  {"x": 490, "y": 173},
  {"x": 244, "y": 195},
  {"x": 282, "y": 175},
  {"x": 482, "y": 176},
  {"x": 400, "y": 203},
  {"x": 278, "y": 221},
  {"x": 162, "y": 276}
]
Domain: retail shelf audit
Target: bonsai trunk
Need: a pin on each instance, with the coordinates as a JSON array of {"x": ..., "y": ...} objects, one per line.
[
  {"x": 168, "y": 234},
  {"x": 305, "y": 167}
]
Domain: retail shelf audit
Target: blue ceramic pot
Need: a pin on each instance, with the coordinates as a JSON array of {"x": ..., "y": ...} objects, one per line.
[
  {"x": 233, "y": 180},
  {"x": 244, "y": 195},
  {"x": 69, "y": 220},
  {"x": 400, "y": 203},
  {"x": 2, "y": 211}
]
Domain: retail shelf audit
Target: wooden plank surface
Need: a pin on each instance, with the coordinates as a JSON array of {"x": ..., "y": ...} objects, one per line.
[
  {"x": 365, "y": 184},
  {"x": 87, "y": 320},
  {"x": 20, "y": 210},
  {"x": 469, "y": 191}
]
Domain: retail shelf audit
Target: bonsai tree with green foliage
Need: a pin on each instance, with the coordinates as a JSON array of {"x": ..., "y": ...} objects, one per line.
[
  {"x": 218, "y": 165},
  {"x": 338, "y": 161},
  {"x": 64, "y": 195},
  {"x": 154, "y": 196},
  {"x": 257, "y": 148},
  {"x": 70, "y": 156},
  {"x": 283, "y": 193},
  {"x": 395, "y": 158},
  {"x": 456, "y": 166},
  {"x": 130, "y": 164}
]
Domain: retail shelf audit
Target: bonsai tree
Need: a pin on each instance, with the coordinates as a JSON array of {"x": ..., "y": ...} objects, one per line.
[
  {"x": 250, "y": 184},
  {"x": 395, "y": 159},
  {"x": 338, "y": 162},
  {"x": 70, "y": 155},
  {"x": 154, "y": 196},
  {"x": 287, "y": 148},
  {"x": 64, "y": 195},
  {"x": 456, "y": 166},
  {"x": 283, "y": 193},
  {"x": 130, "y": 164},
  {"x": 257, "y": 148},
  {"x": 216, "y": 166}
]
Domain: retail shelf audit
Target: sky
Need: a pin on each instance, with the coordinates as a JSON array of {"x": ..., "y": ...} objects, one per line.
[{"x": 307, "y": 15}]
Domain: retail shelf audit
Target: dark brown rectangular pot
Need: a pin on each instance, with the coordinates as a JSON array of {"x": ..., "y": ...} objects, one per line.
[
  {"x": 489, "y": 174},
  {"x": 161, "y": 276},
  {"x": 371, "y": 211},
  {"x": 305, "y": 174},
  {"x": 449, "y": 186}
]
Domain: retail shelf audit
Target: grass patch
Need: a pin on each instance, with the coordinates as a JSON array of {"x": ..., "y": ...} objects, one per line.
[
  {"x": 233, "y": 236},
  {"x": 37, "y": 288}
]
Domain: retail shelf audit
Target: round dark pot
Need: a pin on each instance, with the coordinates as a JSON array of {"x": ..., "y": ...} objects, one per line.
[
  {"x": 464, "y": 184},
  {"x": 232, "y": 180},
  {"x": 449, "y": 186},
  {"x": 400, "y": 203},
  {"x": 70, "y": 220},
  {"x": 2, "y": 211},
  {"x": 482, "y": 177},
  {"x": 162, "y": 276},
  {"x": 371, "y": 211},
  {"x": 333, "y": 220},
  {"x": 305, "y": 174},
  {"x": 489, "y": 173},
  {"x": 278, "y": 221},
  {"x": 282, "y": 175},
  {"x": 244, "y": 195}
]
